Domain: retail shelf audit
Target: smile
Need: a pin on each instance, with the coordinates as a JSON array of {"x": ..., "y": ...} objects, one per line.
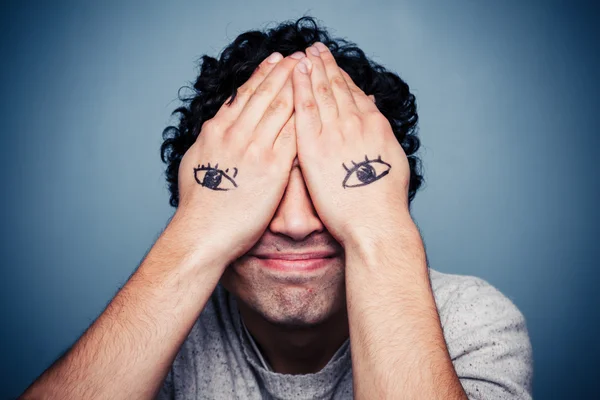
[{"x": 303, "y": 262}]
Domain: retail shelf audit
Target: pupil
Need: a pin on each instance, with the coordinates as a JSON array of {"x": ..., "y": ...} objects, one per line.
[
  {"x": 212, "y": 179},
  {"x": 366, "y": 173}
]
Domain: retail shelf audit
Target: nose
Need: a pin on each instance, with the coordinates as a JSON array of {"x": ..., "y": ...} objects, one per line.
[{"x": 296, "y": 216}]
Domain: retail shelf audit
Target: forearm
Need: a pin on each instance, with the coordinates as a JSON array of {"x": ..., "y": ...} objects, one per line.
[
  {"x": 127, "y": 352},
  {"x": 398, "y": 347}
]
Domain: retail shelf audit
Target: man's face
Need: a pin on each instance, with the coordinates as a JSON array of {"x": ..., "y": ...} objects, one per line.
[{"x": 285, "y": 297}]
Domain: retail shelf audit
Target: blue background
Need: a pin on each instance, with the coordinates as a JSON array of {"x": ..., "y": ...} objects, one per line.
[{"x": 508, "y": 102}]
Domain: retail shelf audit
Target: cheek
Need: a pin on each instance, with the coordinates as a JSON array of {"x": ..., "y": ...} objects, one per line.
[{"x": 236, "y": 279}]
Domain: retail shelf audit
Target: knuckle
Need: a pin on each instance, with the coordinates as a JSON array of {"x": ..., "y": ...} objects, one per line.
[
  {"x": 355, "y": 119},
  {"x": 327, "y": 58},
  {"x": 353, "y": 122},
  {"x": 338, "y": 81},
  {"x": 260, "y": 72},
  {"x": 273, "y": 167},
  {"x": 244, "y": 91},
  {"x": 379, "y": 120},
  {"x": 255, "y": 152},
  {"x": 308, "y": 105},
  {"x": 355, "y": 89},
  {"x": 211, "y": 127},
  {"x": 265, "y": 89},
  {"x": 232, "y": 132},
  {"x": 278, "y": 105},
  {"x": 208, "y": 126},
  {"x": 323, "y": 89}
]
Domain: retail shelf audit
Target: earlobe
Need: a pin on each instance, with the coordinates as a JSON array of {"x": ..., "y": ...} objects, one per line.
[{"x": 372, "y": 97}]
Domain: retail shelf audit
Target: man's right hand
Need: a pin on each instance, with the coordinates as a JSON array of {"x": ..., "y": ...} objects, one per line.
[
  {"x": 221, "y": 215},
  {"x": 233, "y": 177}
]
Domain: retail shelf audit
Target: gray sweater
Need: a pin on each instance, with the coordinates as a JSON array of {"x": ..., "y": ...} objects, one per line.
[{"x": 485, "y": 333}]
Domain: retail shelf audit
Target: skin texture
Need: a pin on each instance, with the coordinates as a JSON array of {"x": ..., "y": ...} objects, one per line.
[
  {"x": 300, "y": 320},
  {"x": 288, "y": 134}
]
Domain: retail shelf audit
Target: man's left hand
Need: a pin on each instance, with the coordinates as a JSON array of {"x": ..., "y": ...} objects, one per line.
[{"x": 355, "y": 170}]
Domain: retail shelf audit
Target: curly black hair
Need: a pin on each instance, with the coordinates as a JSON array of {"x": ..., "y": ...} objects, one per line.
[{"x": 219, "y": 79}]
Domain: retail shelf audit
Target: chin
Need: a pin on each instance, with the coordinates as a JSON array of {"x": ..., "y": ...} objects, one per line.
[{"x": 292, "y": 300}]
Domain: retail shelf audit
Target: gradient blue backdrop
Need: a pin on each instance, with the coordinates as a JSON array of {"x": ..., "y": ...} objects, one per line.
[{"x": 508, "y": 100}]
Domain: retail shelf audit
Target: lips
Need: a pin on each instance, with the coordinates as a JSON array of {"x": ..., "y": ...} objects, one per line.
[
  {"x": 296, "y": 256},
  {"x": 304, "y": 262}
]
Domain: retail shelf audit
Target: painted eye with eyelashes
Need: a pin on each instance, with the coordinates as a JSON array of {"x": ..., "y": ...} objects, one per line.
[
  {"x": 214, "y": 178},
  {"x": 365, "y": 172}
]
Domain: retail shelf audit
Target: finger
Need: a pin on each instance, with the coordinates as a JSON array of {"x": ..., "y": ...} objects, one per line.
[
  {"x": 341, "y": 91},
  {"x": 308, "y": 118},
  {"x": 230, "y": 111},
  {"x": 276, "y": 116},
  {"x": 363, "y": 102},
  {"x": 285, "y": 143},
  {"x": 321, "y": 88},
  {"x": 264, "y": 95}
]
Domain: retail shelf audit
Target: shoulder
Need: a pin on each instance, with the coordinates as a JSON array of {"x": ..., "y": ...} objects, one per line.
[
  {"x": 447, "y": 286},
  {"x": 486, "y": 335},
  {"x": 470, "y": 299}
]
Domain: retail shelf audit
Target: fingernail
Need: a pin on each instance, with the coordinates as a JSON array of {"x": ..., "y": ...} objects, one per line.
[
  {"x": 275, "y": 57},
  {"x": 304, "y": 65},
  {"x": 313, "y": 51},
  {"x": 298, "y": 55},
  {"x": 322, "y": 48}
]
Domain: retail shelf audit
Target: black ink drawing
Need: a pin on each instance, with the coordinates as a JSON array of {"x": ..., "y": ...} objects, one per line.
[
  {"x": 213, "y": 177},
  {"x": 365, "y": 172}
]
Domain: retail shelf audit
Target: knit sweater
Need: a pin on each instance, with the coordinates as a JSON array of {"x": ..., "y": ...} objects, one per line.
[{"x": 485, "y": 333}]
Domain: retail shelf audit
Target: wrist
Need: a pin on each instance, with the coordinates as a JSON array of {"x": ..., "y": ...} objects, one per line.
[
  {"x": 397, "y": 239},
  {"x": 187, "y": 238},
  {"x": 359, "y": 235}
]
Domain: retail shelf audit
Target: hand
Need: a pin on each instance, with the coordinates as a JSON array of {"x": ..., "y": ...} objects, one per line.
[
  {"x": 233, "y": 177},
  {"x": 355, "y": 170}
]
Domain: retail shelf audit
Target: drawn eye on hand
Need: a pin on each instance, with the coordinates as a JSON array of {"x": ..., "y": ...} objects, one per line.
[
  {"x": 365, "y": 172},
  {"x": 213, "y": 177}
]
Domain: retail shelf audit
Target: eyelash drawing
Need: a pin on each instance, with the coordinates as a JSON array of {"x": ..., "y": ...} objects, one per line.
[
  {"x": 214, "y": 177},
  {"x": 365, "y": 172}
]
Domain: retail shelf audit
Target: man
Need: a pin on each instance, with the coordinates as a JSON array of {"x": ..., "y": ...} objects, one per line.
[{"x": 292, "y": 268}]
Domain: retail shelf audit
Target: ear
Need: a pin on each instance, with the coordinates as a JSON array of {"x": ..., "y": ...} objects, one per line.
[{"x": 372, "y": 97}]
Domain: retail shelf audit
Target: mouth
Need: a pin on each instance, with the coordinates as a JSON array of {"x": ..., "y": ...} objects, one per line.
[{"x": 296, "y": 262}]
